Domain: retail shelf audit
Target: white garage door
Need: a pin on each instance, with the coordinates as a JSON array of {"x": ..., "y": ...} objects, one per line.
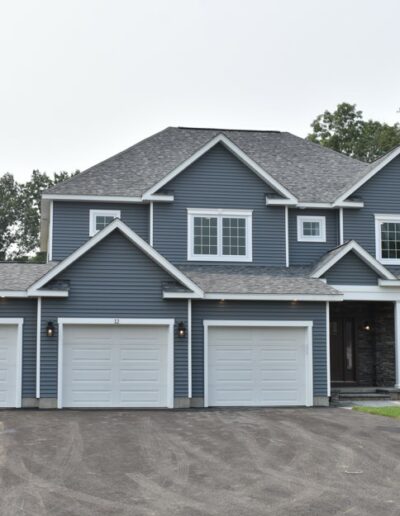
[
  {"x": 8, "y": 365},
  {"x": 115, "y": 366},
  {"x": 256, "y": 366}
]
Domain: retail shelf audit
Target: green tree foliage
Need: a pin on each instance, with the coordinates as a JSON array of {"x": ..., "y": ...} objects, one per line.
[
  {"x": 346, "y": 131},
  {"x": 20, "y": 214},
  {"x": 10, "y": 209}
]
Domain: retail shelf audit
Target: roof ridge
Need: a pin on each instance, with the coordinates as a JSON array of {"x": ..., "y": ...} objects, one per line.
[{"x": 227, "y": 130}]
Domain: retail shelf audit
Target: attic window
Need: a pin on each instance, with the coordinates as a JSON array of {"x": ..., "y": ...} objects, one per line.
[
  {"x": 99, "y": 219},
  {"x": 311, "y": 229}
]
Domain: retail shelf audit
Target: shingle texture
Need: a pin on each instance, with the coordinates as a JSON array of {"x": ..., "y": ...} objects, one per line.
[
  {"x": 309, "y": 171},
  {"x": 20, "y": 276},
  {"x": 245, "y": 279}
]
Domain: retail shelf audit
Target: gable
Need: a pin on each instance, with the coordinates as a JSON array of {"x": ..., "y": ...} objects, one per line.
[
  {"x": 114, "y": 268},
  {"x": 383, "y": 187},
  {"x": 216, "y": 175},
  {"x": 221, "y": 141},
  {"x": 351, "y": 270},
  {"x": 134, "y": 240}
]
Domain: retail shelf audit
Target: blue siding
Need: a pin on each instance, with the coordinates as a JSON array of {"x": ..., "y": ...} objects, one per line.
[
  {"x": 27, "y": 309},
  {"x": 256, "y": 310},
  {"x": 380, "y": 195},
  {"x": 351, "y": 270},
  {"x": 114, "y": 279},
  {"x": 71, "y": 223},
  {"x": 219, "y": 180},
  {"x": 305, "y": 253}
]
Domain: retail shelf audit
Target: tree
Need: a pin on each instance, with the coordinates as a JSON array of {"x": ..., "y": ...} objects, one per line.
[
  {"x": 20, "y": 214},
  {"x": 10, "y": 208},
  {"x": 346, "y": 131}
]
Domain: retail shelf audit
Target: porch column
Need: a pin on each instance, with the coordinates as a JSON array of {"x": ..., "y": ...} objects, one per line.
[{"x": 397, "y": 341}]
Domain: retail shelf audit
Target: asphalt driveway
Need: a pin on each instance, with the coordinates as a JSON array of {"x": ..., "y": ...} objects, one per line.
[{"x": 211, "y": 462}]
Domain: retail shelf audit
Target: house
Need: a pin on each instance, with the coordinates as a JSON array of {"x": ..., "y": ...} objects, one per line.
[{"x": 208, "y": 267}]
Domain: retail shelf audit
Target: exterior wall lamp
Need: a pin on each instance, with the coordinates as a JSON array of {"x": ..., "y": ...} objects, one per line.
[
  {"x": 50, "y": 330},
  {"x": 367, "y": 326},
  {"x": 181, "y": 330}
]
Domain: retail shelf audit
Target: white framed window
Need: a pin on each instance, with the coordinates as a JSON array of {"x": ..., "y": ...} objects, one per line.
[
  {"x": 99, "y": 219},
  {"x": 387, "y": 239},
  {"x": 311, "y": 229},
  {"x": 220, "y": 235}
]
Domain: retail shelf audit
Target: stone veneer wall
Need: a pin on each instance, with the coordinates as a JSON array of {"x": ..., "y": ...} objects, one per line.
[
  {"x": 384, "y": 345},
  {"x": 375, "y": 350}
]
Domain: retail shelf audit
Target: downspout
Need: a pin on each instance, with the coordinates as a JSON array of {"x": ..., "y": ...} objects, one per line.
[
  {"x": 189, "y": 348},
  {"x": 287, "y": 235},
  {"x": 38, "y": 344},
  {"x": 151, "y": 224}
]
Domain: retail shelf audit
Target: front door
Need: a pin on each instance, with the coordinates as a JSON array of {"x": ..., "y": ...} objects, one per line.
[{"x": 342, "y": 350}]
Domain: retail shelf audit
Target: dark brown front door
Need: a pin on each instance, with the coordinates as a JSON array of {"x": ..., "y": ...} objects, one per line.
[{"x": 342, "y": 350}]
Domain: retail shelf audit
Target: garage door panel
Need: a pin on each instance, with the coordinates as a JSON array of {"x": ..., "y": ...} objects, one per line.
[
  {"x": 256, "y": 366},
  {"x": 129, "y": 369},
  {"x": 8, "y": 365}
]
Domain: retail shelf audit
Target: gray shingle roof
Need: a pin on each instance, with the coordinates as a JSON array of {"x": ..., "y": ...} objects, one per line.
[
  {"x": 20, "y": 276},
  {"x": 309, "y": 171},
  {"x": 249, "y": 279}
]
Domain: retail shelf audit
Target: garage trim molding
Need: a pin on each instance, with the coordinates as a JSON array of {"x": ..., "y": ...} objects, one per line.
[
  {"x": 265, "y": 324},
  {"x": 19, "y": 322},
  {"x": 118, "y": 321}
]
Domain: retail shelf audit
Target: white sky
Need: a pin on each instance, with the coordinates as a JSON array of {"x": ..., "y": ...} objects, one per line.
[{"x": 83, "y": 79}]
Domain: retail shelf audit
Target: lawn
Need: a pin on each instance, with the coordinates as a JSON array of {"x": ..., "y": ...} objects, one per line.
[{"x": 390, "y": 411}]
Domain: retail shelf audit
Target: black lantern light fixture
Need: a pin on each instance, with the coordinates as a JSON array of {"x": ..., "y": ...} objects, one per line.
[
  {"x": 181, "y": 330},
  {"x": 50, "y": 329}
]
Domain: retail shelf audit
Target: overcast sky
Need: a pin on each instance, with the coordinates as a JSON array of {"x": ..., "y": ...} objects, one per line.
[{"x": 84, "y": 79}]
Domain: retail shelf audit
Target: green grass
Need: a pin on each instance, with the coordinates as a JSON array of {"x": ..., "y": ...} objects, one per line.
[{"x": 390, "y": 411}]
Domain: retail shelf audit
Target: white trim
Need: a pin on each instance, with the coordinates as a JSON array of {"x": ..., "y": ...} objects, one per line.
[
  {"x": 368, "y": 293},
  {"x": 257, "y": 297},
  {"x": 349, "y": 204},
  {"x": 265, "y": 324},
  {"x": 158, "y": 198},
  {"x": 151, "y": 223},
  {"x": 134, "y": 238},
  {"x": 62, "y": 321},
  {"x": 341, "y": 228},
  {"x": 388, "y": 283},
  {"x": 390, "y": 156},
  {"x": 381, "y": 218},
  {"x": 397, "y": 342},
  {"x": 361, "y": 253},
  {"x": 279, "y": 202},
  {"x": 328, "y": 349},
  {"x": 220, "y": 214},
  {"x": 49, "y": 293},
  {"x": 221, "y": 138},
  {"x": 50, "y": 235},
  {"x": 99, "y": 198},
  {"x": 93, "y": 214},
  {"x": 287, "y": 236},
  {"x": 180, "y": 295},
  {"x": 314, "y": 205},
  {"x": 189, "y": 348},
  {"x": 38, "y": 344},
  {"x": 13, "y": 293},
  {"x": 321, "y": 220},
  {"x": 18, "y": 321},
  {"x": 33, "y": 293}
]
